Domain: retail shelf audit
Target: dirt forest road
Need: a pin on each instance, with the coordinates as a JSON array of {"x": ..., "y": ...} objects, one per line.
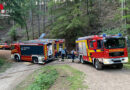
[
  {"x": 17, "y": 73},
  {"x": 107, "y": 79},
  {"x": 5, "y": 54}
]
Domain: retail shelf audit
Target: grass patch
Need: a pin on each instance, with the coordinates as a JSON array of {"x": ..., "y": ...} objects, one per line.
[
  {"x": 56, "y": 77},
  {"x": 2, "y": 61},
  {"x": 4, "y": 65},
  {"x": 129, "y": 58},
  {"x": 45, "y": 79},
  {"x": 127, "y": 66},
  {"x": 76, "y": 78}
]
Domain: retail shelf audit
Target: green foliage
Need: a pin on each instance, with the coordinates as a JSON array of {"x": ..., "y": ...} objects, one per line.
[
  {"x": 2, "y": 61},
  {"x": 129, "y": 57},
  {"x": 4, "y": 65},
  {"x": 12, "y": 33},
  {"x": 71, "y": 19},
  {"x": 19, "y": 9},
  {"x": 113, "y": 31},
  {"x": 45, "y": 79},
  {"x": 1, "y": 27},
  {"x": 127, "y": 66}
]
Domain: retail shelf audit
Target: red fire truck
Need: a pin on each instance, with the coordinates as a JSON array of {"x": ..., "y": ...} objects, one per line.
[
  {"x": 103, "y": 50},
  {"x": 4, "y": 46},
  {"x": 36, "y": 51}
]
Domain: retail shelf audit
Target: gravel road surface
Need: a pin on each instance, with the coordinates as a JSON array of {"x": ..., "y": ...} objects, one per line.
[{"x": 107, "y": 79}]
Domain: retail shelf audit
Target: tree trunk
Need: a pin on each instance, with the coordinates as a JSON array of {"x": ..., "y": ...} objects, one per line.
[
  {"x": 38, "y": 16},
  {"x": 87, "y": 7},
  {"x": 44, "y": 16},
  {"x": 31, "y": 14},
  {"x": 27, "y": 32}
]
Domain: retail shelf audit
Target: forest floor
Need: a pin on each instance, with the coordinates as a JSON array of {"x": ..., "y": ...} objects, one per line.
[{"x": 107, "y": 79}]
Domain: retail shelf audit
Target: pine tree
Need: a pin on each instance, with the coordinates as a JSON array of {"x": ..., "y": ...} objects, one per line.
[{"x": 71, "y": 19}]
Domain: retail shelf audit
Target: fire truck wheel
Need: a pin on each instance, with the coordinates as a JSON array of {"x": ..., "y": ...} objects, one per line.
[
  {"x": 17, "y": 59},
  {"x": 98, "y": 65},
  {"x": 119, "y": 66},
  {"x": 3, "y": 48},
  {"x": 81, "y": 60},
  {"x": 35, "y": 60}
]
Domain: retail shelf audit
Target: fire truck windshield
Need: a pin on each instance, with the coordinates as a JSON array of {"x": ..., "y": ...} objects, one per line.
[{"x": 114, "y": 43}]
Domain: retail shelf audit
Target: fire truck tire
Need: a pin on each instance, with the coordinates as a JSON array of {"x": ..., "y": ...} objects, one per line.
[
  {"x": 35, "y": 60},
  {"x": 81, "y": 60},
  {"x": 98, "y": 65},
  {"x": 3, "y": 48},
  {"x": 119, "y": 66},
  {"x": 17, "y": 59}
]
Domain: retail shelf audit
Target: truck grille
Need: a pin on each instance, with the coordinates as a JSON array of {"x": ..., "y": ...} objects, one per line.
[
  {"x": 116, "y": 54},
  {"x": 117, "y": 61}
]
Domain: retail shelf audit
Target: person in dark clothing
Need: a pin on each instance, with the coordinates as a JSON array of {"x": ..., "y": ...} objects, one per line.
[
  {"x": 60, "y": 50},
  {"x": 63, "y": 54},
  {"x": 56, "y": 54},
  {"x": 73, "y": 55},
  {"x": 66, "y": 52}
]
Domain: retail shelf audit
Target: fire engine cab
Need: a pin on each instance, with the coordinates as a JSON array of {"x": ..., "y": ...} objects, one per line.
[
  {"x": 103, "y": 50},
  {"x": 36, "y": 51}
]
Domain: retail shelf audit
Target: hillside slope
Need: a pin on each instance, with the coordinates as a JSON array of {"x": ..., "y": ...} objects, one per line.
[
  {"x": 109, "y": 18},
  {"x": 4, "y": 28}
]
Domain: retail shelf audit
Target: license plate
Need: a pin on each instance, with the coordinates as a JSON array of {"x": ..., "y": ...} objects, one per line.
[{"x": 117, "y": 59}]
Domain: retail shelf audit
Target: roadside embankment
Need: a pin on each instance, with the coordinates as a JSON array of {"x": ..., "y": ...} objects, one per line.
[
  {"x": 54, "y": 77},
  {"x": 5, "y": 61},
  {"x": 128, "y": 65},
  {"x": 4, "y": 64}
]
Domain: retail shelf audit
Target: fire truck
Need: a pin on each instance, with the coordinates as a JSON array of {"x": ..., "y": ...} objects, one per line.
[
  {"x": 56, "y": 43},
  {"x": 4, "y": 46},
  {"x": 36, "y": 51},
  {"x": 101, "y": 50},
  {"x": 59, "y": 44}
]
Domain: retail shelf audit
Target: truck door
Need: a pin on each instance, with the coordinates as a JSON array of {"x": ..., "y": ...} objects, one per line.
[
  {"x": 96, "y": 48},
  {"x": 100, "y": 49},
  {"x": 82, "y": 49},
  {"x": 91, "y": 48},
  {"x": 50, "y": 50},
  {"x": 85, "y": 51}
]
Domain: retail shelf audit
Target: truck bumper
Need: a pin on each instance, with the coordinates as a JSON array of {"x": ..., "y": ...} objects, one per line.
[
  {"x": 109, "y": 61},
  {"x": 41, "y": 60}
]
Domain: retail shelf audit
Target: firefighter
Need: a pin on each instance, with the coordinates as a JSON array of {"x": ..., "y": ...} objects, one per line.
[
  {"x": 73, "y": 55},
  {"x": 60, "y": 49},
  {"x": 62, "y": 54},
  {"x": 66, "y": 52}
]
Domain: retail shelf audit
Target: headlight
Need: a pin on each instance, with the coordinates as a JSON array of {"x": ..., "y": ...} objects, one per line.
[
  {"x": 40, "y": 58},
  {"x": 101, "y": 60},
  {"x": 125, "y": 60},
  {"x": 107, "y": 61}
]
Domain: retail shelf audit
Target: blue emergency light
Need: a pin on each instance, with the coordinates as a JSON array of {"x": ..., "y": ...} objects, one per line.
[
  {"x": 119, "y": 34},
  {"x": 104, "y": 35}
]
